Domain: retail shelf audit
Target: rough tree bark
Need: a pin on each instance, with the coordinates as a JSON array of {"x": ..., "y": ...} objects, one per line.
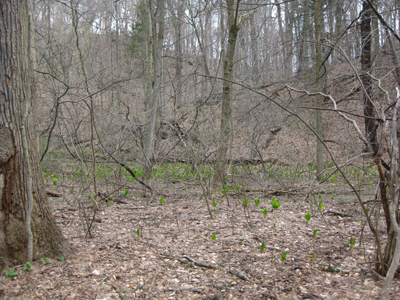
[{"x": 17, "y": 90}]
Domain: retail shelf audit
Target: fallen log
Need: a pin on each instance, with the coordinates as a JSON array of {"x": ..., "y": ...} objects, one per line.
[{"x": 53, "y": 194}]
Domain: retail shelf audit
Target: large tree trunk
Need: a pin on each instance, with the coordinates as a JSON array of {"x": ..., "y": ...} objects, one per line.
[{"x": 17, "y": 97}]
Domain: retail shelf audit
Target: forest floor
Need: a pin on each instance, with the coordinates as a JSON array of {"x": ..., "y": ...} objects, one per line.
[{"x": 144, "y": 249}]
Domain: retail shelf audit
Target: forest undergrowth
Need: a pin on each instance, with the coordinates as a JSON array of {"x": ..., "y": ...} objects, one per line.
[{"x": 274, "y": 234}]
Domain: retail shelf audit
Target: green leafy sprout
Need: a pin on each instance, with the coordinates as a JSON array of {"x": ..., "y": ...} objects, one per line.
[
  {"x": 352, "y": 242},
  {"x": 225, "y": 190},
  {"x": 262, "y": 247},
  {"x": 264, "y": 211},
  {"x": 275, "y": 204},
  {"x": 45, "y": 260},
  {"x": 283, "y": 257},
  {"x": 27, "y": 267},
  {"x": 308, "y": 217}
]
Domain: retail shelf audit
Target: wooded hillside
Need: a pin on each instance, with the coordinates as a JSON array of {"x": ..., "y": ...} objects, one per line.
[{"x": 218, "y": 137}]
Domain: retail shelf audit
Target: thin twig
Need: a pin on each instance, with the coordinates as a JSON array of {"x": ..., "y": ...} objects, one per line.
[
  {"x": 187, "y": 259},
  {"x": 119, "y": 292}
]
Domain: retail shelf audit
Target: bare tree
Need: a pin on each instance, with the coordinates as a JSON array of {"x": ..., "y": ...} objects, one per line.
[
  {"x": 155, "y": 39},
  {"x": 319, "y": 73},
  {"x": 370, "y": 124},
  {"x": 235, "y": 22},
  {"x": 178, "y": 53}
]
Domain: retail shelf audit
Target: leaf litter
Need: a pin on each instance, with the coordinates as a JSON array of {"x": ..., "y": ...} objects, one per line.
[{"x": 145, "y": 250}]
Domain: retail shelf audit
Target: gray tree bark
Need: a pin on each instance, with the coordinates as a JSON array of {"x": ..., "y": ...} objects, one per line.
[
  {"x": 17, "y": 97},
  {"x": 234, "y": 25},
  {"x": 155, "y": 40},
  {"x": 226, "y": 114},
  {"x": 178, "y": 54},
  {"x": 254, "y": 83},
  {"x": 303, "y": 46},
  {"x": 318, "y": 20},
  {"x": 289, "y": 20}
]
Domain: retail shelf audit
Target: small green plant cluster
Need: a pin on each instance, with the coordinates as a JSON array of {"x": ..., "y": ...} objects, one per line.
[
  {"x": 245, "y": 202},
  {"x": 307, "y": 171},
  {"x": 275, "y": 204},
  {"x": 10, "y": 273},
  {"x": 54, "y": 178},
  {"x": 103, "y": 171},
  {"x": 45, "y": 260},
  {"x": 225, "y": 190},
  {"x": 283, "y": 257},
  {"x": 27, "y": 267}
]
